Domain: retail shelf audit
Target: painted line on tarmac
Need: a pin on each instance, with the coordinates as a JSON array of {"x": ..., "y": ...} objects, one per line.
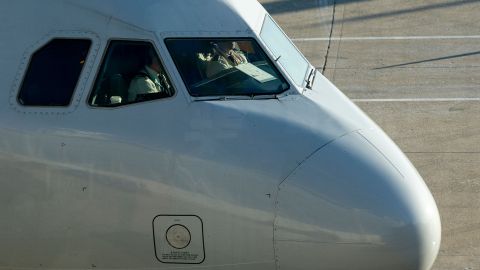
[
  {"x": 387, "y": 38},
  {"x": 413, "y": 99}
]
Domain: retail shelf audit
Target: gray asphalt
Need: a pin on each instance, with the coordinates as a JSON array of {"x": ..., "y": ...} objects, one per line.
[{"x": 432, "y": 87}]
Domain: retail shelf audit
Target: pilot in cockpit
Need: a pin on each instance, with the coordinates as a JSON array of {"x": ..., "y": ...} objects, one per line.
[
  {"x": 150, "y": 79},
  {"x": 225, "y": 55}
]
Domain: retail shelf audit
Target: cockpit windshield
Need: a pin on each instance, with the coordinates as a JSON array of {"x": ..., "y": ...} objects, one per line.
[{"x": 225, "y": 67}]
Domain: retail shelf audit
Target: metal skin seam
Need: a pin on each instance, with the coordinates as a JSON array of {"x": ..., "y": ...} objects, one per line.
[{"x": 277, "y": 192}]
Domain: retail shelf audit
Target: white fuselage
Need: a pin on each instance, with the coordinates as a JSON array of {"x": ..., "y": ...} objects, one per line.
[{"x": 304, "y": 180}]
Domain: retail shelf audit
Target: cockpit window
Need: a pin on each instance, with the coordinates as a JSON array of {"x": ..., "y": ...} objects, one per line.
[
  {"x": 283, "y": 49},
  {"x": 53, "y": 73},
  {"x": 131, "y": 72},
  {"x": 225, "y": 67}
]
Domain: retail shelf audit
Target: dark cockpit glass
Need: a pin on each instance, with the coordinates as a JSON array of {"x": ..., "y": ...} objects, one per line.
[{"x": 225, "y": 67}]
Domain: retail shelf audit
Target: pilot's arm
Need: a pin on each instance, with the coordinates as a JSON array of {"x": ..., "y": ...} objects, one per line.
[
  {"x": 147, "y": 81},
  {"x": 141, "y": 85},
  {"x": 213, "y": 67}
]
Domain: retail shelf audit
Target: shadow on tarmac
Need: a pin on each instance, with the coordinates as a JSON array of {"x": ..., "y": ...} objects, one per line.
[
  {"x": 409, "y": 10},
  {"x": 285, "y": 6},
  {"x": 431, "y": 60}
]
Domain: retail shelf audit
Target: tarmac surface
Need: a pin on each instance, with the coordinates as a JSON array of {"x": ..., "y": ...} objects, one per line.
[{"x": 414, "y": 68}]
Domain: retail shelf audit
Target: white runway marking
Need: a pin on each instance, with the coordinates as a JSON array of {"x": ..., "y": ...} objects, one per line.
[
  {"x": 413, "y": 99},
  {"x": 387, "y": 38}
]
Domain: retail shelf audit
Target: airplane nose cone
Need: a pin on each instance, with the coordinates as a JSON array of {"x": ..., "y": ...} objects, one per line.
[{"x": 357, "y": 203}]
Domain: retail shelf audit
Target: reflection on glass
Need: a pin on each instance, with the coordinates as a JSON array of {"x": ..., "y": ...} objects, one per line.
[
  {"x": 225, "y": 67},
  {"x": 284, "y": 51}
]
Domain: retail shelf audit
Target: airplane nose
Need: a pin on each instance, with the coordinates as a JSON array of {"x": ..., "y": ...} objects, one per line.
[{"x": 357, "y": 203}]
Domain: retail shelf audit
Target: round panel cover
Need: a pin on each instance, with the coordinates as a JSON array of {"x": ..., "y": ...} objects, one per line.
[{"x": 178, "y": 236}]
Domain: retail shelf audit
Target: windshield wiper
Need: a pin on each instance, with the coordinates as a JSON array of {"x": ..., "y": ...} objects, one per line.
[
  {"x": 311, "y": 78},
  {"x": 265, "y": 96},
  {"x": 237, "y": 97}
]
